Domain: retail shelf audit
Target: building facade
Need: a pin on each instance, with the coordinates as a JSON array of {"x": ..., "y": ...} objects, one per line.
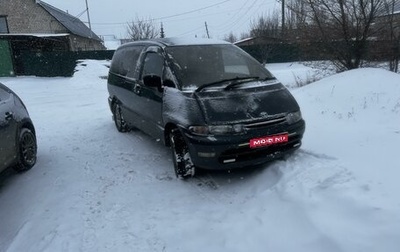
[{"x": 39, "y": 19}]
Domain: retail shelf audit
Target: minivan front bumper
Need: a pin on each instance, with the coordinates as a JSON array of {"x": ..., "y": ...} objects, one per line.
[{"x": 233, "y": 151}]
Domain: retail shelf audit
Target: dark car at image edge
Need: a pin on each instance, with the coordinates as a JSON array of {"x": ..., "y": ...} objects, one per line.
[
  {"x": 211, "y": 102},
  {"x": 18, "y": 146}
]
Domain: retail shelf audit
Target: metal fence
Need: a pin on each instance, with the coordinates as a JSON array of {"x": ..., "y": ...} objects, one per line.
[{"x": 51, "y": 64}]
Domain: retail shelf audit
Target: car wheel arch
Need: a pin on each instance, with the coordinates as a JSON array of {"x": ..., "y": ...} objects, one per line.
[
  {"x": 29, "y": 125},
  {"x": 25, "y": 125},
  {"x": 23, "y": 164},
  {"x": 169, "y": 127}
]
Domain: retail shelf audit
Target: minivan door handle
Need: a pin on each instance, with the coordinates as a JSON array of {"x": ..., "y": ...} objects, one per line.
[{"x": 137, "y": 88}]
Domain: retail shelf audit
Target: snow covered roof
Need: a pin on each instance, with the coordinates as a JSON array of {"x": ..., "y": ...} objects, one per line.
[
  {"x": 71, "y": 23},
  {"x": 396, "y": 7},
  {"x": 39, "y": 35},
  {"x": 244, "y": 40},
  {"x": 384, "y": 11}
]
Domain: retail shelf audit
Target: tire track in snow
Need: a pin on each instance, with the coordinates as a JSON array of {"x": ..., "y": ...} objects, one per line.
[
  {"x": 104, "y": 211},
  {"x": 241, "y": 185}
]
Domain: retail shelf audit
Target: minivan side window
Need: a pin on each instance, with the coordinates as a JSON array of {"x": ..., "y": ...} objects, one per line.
[
  {"x": 153, "y": 64},
  {"x": 4, "y": 95},
  {"x": 125, "y": 61}
]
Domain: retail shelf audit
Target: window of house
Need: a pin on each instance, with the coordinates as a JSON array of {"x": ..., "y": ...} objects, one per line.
[{"x": 3, "y": 25}]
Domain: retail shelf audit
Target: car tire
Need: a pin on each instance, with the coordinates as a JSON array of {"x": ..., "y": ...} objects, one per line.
[
  {"x": 119, "y": 120},
  {"x": 27, "y": 150},
  {"x": 183, "y": 165}
]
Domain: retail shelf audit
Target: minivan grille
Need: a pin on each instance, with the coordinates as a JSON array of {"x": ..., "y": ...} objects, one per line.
[{"x": 265, "y": 123}]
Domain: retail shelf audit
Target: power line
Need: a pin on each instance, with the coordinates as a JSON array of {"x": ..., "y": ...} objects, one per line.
[
  {"x": 171, "y": 16},
  {"x": 231, "y": 19},
  {"x": 188, "y": 12},
  {"x": 230, "y": 24}
]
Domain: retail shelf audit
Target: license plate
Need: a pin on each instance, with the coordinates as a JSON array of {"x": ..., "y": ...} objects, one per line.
[{"x": 268, "y": 140}]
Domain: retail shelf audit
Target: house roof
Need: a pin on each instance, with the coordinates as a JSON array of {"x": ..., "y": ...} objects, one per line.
[
  {"x": 397, "y": 7},
  {"x": 71, "y": 23},
  {"x": 38, "y": 35},
  {"x": 387, "y": 9}
]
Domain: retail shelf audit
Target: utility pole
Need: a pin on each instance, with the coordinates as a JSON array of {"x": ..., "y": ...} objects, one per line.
[
  {"x": 283, "y": 17},
  {"x": 88, "y": 16},
  {"x": 208, "y": 35},
  {"x": 162, "y": 33}
]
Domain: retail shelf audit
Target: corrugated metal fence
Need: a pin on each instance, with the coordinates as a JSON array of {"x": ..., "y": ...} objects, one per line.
[{"x": 51, "y": 64}]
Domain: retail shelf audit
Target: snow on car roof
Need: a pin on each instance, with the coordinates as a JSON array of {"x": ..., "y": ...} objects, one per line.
[{"x": 177, "y": 41}]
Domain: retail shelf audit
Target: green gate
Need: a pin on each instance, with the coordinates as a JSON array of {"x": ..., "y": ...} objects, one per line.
[{"x": 6, "y": 64}]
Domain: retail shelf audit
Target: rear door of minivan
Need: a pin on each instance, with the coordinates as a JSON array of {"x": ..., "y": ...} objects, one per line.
[{"x": 123, "y": 78}]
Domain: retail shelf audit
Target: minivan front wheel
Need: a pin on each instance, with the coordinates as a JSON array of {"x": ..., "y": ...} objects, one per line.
[
  {"x": 119, "y": 120},
  {"x": 183, "y": 165}
]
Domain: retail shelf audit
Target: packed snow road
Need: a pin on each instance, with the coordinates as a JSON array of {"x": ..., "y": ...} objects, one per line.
[{"x": 95, "y": 189}]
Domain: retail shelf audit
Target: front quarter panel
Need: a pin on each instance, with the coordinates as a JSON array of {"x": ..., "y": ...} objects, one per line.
[{"x": 181, "y": 108}]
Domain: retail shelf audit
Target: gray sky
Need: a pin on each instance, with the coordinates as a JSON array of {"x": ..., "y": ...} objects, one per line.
[{"x": 179, "y": 17}]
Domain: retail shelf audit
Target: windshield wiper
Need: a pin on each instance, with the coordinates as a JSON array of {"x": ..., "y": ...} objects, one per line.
[
  {"x": 245, "y": 80},
  {"x": 236, "y": 80}
]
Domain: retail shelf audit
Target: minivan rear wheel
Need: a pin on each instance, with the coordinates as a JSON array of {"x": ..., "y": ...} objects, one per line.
[
  {"x": 119, "y": 120},
  {"x": 183, "y": 165}
]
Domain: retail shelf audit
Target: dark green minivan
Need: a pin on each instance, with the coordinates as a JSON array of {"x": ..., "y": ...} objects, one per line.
[{"x": 211, "y": 102}]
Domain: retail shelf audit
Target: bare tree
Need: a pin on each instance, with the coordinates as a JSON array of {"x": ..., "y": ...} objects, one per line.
[
  {"x": 266, "y": 26},
  {"x": 244, "y": 35},
  {"x": 271, "y": 25},
  {"x": 343, "y": 27},
  {"x": 296, "y": 13},
  {"x": 140, "y": 29},
  {"x": 297, "y": 19},
  {"x": 389, "y": 26},
  {"x": 230, "y": 37}
]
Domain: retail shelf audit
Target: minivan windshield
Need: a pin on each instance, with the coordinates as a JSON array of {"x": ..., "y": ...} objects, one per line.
[{"x": 201, "y": 65}]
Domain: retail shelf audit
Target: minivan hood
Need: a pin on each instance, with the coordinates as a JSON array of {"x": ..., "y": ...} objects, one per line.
[{"x": 245, "y": 105}]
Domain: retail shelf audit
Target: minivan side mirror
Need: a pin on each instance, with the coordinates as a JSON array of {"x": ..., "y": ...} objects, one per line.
[{"x": 153, "y": 81}]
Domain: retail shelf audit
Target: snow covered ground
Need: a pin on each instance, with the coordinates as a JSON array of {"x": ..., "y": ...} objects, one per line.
[{"x": 95, "y": 189}]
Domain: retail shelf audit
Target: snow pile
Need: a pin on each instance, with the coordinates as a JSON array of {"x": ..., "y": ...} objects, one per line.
[
  {"x": 359, "y": 95},
  {"x": 355, "y": 116},
  {"x": 95, "y": 189},
  {"x": 295, "y": 74}
]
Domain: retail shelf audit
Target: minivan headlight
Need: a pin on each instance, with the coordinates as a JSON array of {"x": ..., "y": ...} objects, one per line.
[
  {"x": 293, "y": 117},
  {"x": 216, "y": 129}
]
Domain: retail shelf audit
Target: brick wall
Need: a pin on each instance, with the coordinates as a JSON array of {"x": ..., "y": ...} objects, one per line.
[
  {"x": 78, "y": 43},
  {"x": 25, "y": 16}
]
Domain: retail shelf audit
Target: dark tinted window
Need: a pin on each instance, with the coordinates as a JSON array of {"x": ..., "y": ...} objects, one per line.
[
  {"x": 201, "y": 64},
  {"x": 153, "y": 64},
  {"x": 4, "y": 95},
  {"x": 125, "y": 60}
]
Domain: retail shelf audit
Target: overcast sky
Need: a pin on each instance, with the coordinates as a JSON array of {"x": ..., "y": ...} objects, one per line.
[{"x": 179, "y": 17}]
